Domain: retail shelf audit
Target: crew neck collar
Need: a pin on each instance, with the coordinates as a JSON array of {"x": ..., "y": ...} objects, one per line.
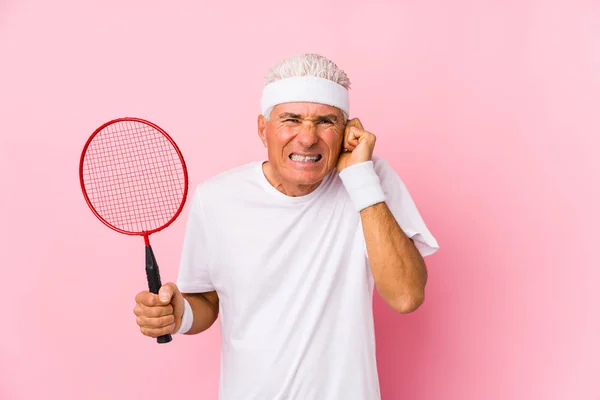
[{"x": 284, "y": 197}]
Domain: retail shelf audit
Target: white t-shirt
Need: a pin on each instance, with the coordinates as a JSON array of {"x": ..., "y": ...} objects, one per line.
[{"x": 294, "y": 283}]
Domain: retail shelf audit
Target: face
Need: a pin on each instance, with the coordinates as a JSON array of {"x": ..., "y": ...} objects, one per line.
[{"x": 303, "y": 142}]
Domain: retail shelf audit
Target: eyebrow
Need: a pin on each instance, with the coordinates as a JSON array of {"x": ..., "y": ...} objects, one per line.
[
  {"x": 319, "y": 118},
  {"x": 289, "y": 115},
  {"x": 329, "y": 118}
]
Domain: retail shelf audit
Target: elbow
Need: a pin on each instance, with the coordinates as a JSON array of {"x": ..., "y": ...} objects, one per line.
[{"x": 407, "y": 303}]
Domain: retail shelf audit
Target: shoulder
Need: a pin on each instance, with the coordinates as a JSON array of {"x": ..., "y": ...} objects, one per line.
[
  {"x": 391, "y": 181},
  {"x": 383, "y": 168},
  {"x": 226, "y": 183},
  {"x": 380, "y": 162}
]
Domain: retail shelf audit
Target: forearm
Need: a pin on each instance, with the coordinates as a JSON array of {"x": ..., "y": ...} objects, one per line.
[
  {"x": 205, "y": 307},
  {"x": 397, "y": 266}
]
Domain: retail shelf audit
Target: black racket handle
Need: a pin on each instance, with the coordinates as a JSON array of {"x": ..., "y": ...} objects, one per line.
[{"x": 154, "y": 284}]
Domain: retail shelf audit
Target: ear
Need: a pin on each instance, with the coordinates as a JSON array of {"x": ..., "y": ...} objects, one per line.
[{"x": 262, "y": 129}]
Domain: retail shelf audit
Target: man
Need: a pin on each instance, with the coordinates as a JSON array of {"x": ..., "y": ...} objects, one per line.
[{"x": 287, "y": 251}]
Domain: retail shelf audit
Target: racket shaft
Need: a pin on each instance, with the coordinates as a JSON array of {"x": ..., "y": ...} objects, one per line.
[{"x": 154, "y": 284}]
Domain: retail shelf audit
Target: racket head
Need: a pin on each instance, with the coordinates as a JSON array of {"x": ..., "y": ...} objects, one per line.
[{"x": 133, "y": 176}]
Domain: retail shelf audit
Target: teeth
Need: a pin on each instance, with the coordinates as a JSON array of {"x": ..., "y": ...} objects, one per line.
[{"x": 296, "y": 157}]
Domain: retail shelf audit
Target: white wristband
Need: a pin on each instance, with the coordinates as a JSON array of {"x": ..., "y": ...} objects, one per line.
[
  {"x": 363, "y": 186},
  {"x": 187, "y": 318}
]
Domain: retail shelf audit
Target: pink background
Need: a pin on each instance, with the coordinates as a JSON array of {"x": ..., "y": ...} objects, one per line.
[{"x": 489, "y": 110}]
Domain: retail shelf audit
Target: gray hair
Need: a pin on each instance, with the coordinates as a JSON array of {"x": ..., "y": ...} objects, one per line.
[{"x": 309, "y": 64}]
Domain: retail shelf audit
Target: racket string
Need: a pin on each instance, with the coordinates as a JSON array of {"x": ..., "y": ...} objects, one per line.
[{"x": 134, "y": 176}]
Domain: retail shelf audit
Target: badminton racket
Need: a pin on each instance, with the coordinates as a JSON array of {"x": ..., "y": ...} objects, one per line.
[{"x": 134, "y": 179}]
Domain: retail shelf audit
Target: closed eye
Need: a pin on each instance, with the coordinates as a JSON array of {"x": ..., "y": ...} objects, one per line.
[
  {"x": 329, "y": 119},
  {"x": 326, "y": 119}
]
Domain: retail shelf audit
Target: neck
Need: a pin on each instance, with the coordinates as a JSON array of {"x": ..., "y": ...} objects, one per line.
[{"x": 292, "y": 190}]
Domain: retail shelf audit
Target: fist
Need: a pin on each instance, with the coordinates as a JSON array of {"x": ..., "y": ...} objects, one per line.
[
  {"x": 159, "y": 314},
  {"x": 358, "y": 145}
]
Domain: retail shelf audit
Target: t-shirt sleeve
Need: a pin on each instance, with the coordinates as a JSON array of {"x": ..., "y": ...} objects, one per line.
[
  {"x": 194, "y": 273},
  {"x": 402, "y": 206}
]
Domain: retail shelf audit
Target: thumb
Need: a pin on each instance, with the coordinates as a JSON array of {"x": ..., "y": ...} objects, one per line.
[
  {"x": 165, "y": 293},
  {"x": 172, "y": 295}
]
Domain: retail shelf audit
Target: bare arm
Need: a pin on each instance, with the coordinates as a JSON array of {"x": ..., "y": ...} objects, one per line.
[
  {"x": 397, "y": 266},
  {"x": 206, "y": 310}
]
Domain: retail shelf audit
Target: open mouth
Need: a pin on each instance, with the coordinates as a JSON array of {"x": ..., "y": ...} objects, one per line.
[{"x": 305, "y": 158}]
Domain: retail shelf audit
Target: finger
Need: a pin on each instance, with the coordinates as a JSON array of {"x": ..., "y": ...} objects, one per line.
[
  {"x": 347, "y": 145},
  {"x": 354, "y": 122},
  {"x": 177, "y": 299},
  {"x": 151, "y": 300},
  {"x": 156, "y": 332},
  {"x": 142, "y": 296},
  {"x": 148, "y": 299},
  {"x": 165, "y": 293},
  {"x": 169, "y": 292},
  {"x": 153, "y": 312},
  {"x": 352, "y": 137},
  {"x": 155, "y": 323},
  {"x": 366, "y": 137}
]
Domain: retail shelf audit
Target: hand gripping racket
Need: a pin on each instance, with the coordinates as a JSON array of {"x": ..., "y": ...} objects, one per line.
[{"x": 134, "y": 179}]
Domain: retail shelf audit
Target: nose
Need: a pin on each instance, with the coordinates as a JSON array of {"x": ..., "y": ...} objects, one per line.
[{"x": 307, "y": 136}]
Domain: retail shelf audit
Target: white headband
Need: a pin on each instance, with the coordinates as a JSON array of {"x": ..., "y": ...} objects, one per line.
[{"x": 309, "y": 89}]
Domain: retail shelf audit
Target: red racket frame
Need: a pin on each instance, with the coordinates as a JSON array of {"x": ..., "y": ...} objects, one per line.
[{"x": 145, "y": 234}]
